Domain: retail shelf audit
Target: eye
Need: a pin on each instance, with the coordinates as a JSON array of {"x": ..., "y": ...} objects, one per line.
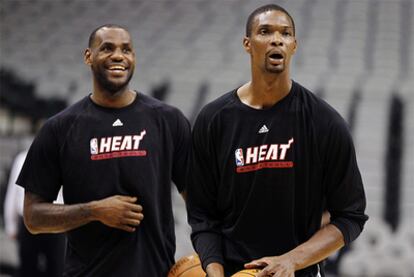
[
  {"x": 126, "y": 50},
  {"x": 106, "y": 48},
  {"x": 263, "y": 31},
  {"x": 287, "y": 34}
]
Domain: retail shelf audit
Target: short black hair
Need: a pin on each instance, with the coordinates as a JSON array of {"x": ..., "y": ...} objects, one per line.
[
  {"x": 262, "y": 9},
  {"x": 93, "y": 34}
]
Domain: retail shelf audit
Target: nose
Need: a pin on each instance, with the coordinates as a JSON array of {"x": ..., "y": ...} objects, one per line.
[
  {"x": 117, "y": 55},
  {"x": 277, "y": 39}
]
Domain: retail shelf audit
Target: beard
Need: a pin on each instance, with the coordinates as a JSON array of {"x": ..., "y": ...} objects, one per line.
[{"x": 111, "y": 86}]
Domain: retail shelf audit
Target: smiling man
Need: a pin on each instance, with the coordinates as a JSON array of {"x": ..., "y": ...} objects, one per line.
[
  {"x": 114, "y": 153},
  {"x": 268, "y": 158}
]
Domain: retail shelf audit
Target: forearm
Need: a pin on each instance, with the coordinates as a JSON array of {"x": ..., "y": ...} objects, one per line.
[
  {"x": 208, "y": 246},
  {"x": 117, "y": 211},
  {"x": 206, "y": 235},
  {"x": 322, "y": 244},
  {"x": 57, "y": 218}
]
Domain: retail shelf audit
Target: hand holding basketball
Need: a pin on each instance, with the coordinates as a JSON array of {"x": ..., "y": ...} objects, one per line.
[{"x": 280, "y": 265}]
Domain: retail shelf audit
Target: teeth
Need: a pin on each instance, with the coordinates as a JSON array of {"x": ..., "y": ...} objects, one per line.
[{"x": 117, "y": 67}]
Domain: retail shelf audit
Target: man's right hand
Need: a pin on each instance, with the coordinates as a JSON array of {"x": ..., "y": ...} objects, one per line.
[
  {"x": 215, "y": 270},
  {"x": 118, "y": 211}
]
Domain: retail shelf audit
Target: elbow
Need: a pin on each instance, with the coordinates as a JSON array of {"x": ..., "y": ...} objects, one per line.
[
  {"x": 29, "y": 222},
  {"x": 31, "y": 217}
]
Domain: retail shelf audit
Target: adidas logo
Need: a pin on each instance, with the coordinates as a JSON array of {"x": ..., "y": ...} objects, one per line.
[
  {"x": 264, "y": 129},
  {"x": 117, "y": 123}
]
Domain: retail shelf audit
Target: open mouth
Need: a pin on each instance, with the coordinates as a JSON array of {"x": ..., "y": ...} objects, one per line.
[
  {"x": 117, "y": 68},
  {"x": 276, "y": 56}
]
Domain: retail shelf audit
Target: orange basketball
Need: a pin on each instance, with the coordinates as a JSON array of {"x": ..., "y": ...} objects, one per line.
[
  {"x": 246, "y": 272},
  {"x": 188, "y": 266}
]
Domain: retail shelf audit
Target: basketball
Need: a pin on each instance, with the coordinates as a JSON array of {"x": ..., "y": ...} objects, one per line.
[
  {"x": 246, "y": 272},
  {"x": 188, "y": 266}
]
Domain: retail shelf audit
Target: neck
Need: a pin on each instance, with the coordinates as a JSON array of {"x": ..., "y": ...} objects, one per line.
[
  {"x": 118, "y": 99},
  {"x": 265, "y": 90}
]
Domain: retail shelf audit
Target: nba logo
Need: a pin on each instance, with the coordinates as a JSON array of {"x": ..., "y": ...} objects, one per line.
[
  {"x": 239, "y": 157},
  {"x": 94, "y": 146}
]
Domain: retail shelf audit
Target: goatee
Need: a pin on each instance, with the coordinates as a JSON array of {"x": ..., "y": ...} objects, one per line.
[{"x": 108, "y": 85}]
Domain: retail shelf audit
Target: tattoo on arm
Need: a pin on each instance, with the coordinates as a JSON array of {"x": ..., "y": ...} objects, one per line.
[{"x": 41, "y": 216}]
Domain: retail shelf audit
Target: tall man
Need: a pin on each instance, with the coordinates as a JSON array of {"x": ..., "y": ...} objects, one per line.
[
  {"x": 115, "y": 153},
  {"x": 268, "y": 158}
]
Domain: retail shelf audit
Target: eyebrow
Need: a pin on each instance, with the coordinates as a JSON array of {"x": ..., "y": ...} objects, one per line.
[
  {"x": 269, "y": 26},
  {"x": 108, "y": 43}
]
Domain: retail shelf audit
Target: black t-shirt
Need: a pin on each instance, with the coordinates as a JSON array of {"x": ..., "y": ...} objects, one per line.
[
  {"x": 96, "y": 152},
  {"x": 260, "y": 179}
]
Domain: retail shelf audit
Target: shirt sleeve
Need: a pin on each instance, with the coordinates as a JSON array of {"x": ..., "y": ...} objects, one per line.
[
  {"x": 41, "y": 173},
  {"x": 182, "y": 146},
  {"x": 202, "y": 196},
  {"x": 346, "y": 200}
]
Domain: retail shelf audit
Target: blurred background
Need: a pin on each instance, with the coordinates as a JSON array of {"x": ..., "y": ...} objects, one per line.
[{"x": 358, "y": 55}]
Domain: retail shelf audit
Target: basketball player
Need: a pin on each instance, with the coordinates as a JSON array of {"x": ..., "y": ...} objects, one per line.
[
  {"x": 115, "y": 153},
  {"x": 268, "y": 158}
]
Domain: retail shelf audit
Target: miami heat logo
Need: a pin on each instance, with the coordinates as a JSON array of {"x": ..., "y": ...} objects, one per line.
[
  {"x": 117, "y": 146},
  {"x": 263, "y": 156}
]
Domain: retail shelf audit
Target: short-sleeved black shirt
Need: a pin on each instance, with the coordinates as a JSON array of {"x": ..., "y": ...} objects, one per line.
[
  {"x": 262, "y": 178},
  {"x": 96, "y": 152}
]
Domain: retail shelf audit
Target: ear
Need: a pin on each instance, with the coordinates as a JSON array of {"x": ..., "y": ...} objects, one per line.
[
  {"x": 246, "y": 44},
  {"x": 295, "y": 46},
  {"x": 87, "y": 56}
]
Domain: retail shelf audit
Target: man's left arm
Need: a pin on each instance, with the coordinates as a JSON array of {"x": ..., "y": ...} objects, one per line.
[{"x": 322, "y": 244}]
